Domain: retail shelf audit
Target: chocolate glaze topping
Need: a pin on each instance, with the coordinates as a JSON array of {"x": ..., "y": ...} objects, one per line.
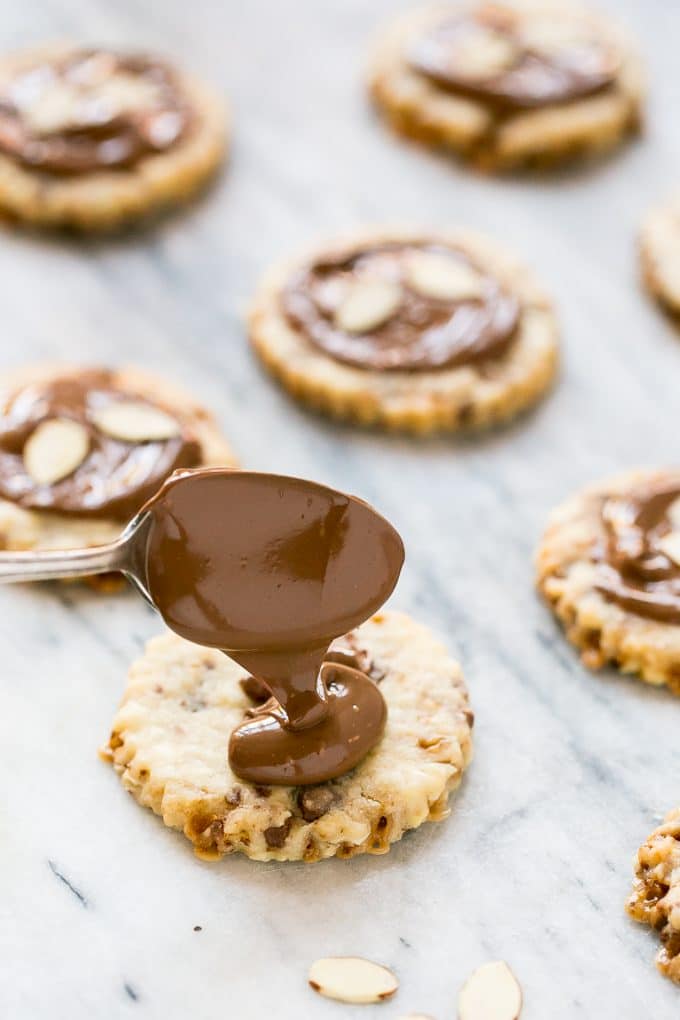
[
  {"x": 636, "y": 572},
  {"x": 271, "y": 569},
  {"x": 534, "y": 72},
  {"x": 424, "y": 332},
  {"x": 90, "y": 110},
  {"x": 114, "y": 479}
]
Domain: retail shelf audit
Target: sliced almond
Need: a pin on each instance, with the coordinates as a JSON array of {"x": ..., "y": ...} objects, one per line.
[
  {"x": 55, "y": 449},
  {"x": 367, "y": 305},
  {"x": 670, "y": 545},
  {"x": 135, "y": 422},
  {"x": 674, "y": 513},
  {"x": 491, "y": 993},
  {"x": 443, "y": 277},
  {"x": 53, "y": 110},
  {"x": 483, "y": 54},
  {"x": 352, "y": 979}
]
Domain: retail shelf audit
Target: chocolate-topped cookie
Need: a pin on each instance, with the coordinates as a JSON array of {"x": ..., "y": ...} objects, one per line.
[
  {"x": 82, "y": 449},
  {"x": 655, "y": 899},
  {"x": 92, "y": 138},
  {"x": 609, "y": 564},
  {"x": 409, "y": 330},
  {"x": 508, "y": 83},
  {"x": 660, "y": 253},
  {"x": 170, "y": 736}
]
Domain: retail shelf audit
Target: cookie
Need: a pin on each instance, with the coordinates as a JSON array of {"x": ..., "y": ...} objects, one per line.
[
  {"x": 170, "y": 737},
  {"x": 656, "y": 894},
  {"x": 608, "y": 565},
  {"x": 660, "y": 254},
  {"x": 95, "y": 139},
  {"x": 408, "y": 330},
  {"x": 81, "y": 449},
  {"x": 508, "y": 84}
]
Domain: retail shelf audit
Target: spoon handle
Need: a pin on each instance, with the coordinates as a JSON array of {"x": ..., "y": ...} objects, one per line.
[{"x": 62, "y": 563}]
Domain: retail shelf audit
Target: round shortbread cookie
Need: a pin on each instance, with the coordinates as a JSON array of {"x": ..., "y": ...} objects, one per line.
[
  {"x": 418, "y": 107},
  {"x": 102, "y": 199},
  {"x": 660, "y": 254},
  {"x": 656, "y": 894},
  {"x": 567, "y": 576},
  {"x": 41, "y": 530},
  {"x": 170, "y": 736},
  {"x": 460, "y": 398}
]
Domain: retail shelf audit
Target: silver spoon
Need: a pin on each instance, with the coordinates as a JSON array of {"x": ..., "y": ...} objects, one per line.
[{"x": 125, "y": 555}]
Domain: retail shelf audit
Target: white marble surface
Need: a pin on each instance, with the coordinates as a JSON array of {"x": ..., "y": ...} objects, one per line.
[{"x": 98, "y": 901}]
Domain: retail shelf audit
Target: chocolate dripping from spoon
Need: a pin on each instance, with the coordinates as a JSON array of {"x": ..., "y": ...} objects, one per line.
[{"x": 271, "y": 569}]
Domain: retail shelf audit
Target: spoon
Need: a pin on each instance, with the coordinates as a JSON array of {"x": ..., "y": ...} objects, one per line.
[
  {"x": 269, "y": 569},
  {"x": 125, "y": 555}
]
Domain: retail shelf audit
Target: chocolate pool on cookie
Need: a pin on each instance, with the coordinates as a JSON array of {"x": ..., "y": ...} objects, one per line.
[
  {"x": 507, "y": 84},
  {"x": 82, "y": 449},
  {"x": 409, "y": 330},
  {"x": 609, "y": 564},
  {"x": 92, "y": 138}
]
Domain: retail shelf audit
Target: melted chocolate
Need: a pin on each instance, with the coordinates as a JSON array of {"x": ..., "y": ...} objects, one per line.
[
  {"x": 90, "y": 110},
  {"x": 115, "y": 479},
  {"x": 635, "y": 571},
  {"x": 535, "y": 77},
  {"x": 271, "y": 569},
  {"x": 424, "y": 333}
]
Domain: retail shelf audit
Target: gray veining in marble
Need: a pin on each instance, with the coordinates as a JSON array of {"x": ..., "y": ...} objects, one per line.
[{"x": 98, "y": 901}]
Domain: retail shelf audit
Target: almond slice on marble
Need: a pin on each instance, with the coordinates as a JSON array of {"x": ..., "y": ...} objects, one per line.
[
  {"x": 491, "y": 993},
  {"x": 352, "y": 979},
  {"x": 443, "y": 277},
  {"x": 55, "y": 449},
  {"x": 135, "y": 422},
  {"x": 670, "y": 545},
  {"x": 367, "y": 305},
  {"x": 482, "y": 54}
]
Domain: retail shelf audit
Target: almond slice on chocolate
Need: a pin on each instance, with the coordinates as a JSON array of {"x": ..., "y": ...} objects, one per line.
[
  {"x": 55, "y": 449},
  {"x": 54, "y": 110},
  {"x": 670, "y": 545},
  {"x": 482, "y": 54},
  {"x": 367, "y": 305},
  {"x": 443, "y": 277},
  {"x": 135, "y": 422},
  {"x": 491, "y": 993},
  {"x": 352, "y": 979},
  {"x": 674, "y": 513}
]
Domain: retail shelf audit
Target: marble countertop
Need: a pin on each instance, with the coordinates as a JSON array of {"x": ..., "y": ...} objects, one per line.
[{"x": 98, "y": 901}]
